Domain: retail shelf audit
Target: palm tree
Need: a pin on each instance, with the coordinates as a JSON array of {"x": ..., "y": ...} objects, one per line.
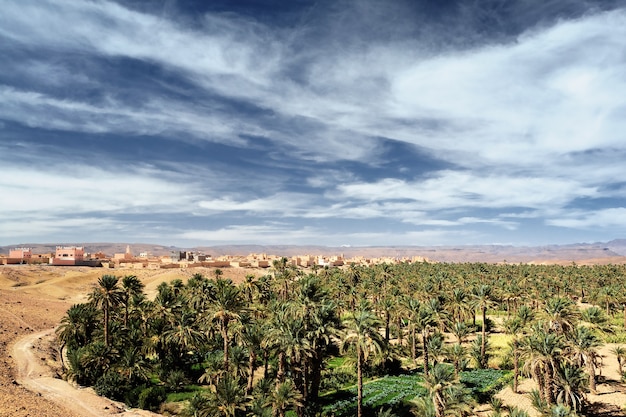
[
  {"x": 560, "y": 314},
  {"x": 483, "y": 299},
  {"x": 226, "y": 306},
  {"x": 425, "y": 321},
  {"x": 133, "y": 366},
  {"x": 444, "y": 389},
  {"x": 131, "y": 287},
  {"x": 184, "y": 333},
  {"x": 583, "y": 345},
  {"x": 571, "y": 383},
  {"x": 362, "y": 333},
  {"x": 411, "y": 308},
  {"x": 457, "y": 354},
  {"x": 542, "y": 351},
  {"x": 252, "y": 336},
  {"x": 77, "y": 326},
  {"x": 284, "y": 397},
  {"x": 460, "y": 330},
  {"x": 459, "y": 305},
  {"x": 106, "y": 295},
  {"x": 513, "y": 327},
  {"x": 228, "y": 397}
]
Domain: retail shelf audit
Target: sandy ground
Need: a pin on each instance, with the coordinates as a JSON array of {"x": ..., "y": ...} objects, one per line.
[
  {"x": 610, "y": 401},
  {"x": 33, "y": 299}
]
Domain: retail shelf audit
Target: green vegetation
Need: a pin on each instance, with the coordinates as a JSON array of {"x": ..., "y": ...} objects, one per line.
[{"x": 405, "y": 339}]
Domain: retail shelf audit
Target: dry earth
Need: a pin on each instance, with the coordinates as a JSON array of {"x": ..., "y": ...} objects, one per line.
[
  {"x": 610, "y": 401},
  {"x": 33, "y": 299}
]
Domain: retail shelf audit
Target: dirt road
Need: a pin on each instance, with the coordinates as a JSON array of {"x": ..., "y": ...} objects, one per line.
[{"x": 35, "y": 376}]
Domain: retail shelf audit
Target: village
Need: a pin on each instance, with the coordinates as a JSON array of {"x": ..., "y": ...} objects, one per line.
[{"x": 78, "y": 256}]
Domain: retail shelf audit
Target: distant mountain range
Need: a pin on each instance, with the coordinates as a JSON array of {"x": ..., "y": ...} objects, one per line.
[{"x": 582, "y": 253}]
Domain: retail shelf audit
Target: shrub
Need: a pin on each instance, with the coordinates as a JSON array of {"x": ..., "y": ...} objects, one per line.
[
  {"x": 151, "y": 398},
  {"x": 111, "y": 385}
]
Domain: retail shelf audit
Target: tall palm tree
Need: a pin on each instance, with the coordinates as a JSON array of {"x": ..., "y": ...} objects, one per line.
[
  {"x": 425, "y": 321},
  {"x": 514, "y": 327},
  {"x": 252, "y": 336},
  {"x": 457, "y": 354},
  {"x": 483, "y": 299},
  {"x": 411, "y": 308},
  {"x": 226, "y": 306},
  {"x": 583, "y": 344},
  {"x": 106, "y": 295},
  {"x": 542, "y": 351},
  {"x": 362, "y": 333},
  {"x": 77, "y": 326},
  {"x": 131, "y": 287}
]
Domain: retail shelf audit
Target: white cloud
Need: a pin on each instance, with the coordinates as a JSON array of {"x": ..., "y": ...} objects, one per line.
[
  {"x": 553, "y": 92},
  {"x": 614, "y": 218},
  {"x": 455, "y": 189},
  {"x": 68, "y": 189}
]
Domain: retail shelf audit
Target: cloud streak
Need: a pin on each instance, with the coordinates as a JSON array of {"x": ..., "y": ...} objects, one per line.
[{"x": 482, "y": 122}]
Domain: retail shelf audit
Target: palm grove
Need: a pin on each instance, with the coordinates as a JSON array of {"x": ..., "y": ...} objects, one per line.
[{"x": 269, "y": 346}]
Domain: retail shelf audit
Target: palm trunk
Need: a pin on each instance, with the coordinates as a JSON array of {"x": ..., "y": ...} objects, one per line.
[
  {"x": 425, "y": 347},
  {"x": 266, "y": 363},
  {"x": 359, "y": 387},
  {"x": 106, "y": 326},
  {"x": 387, "y": 325},
  {"x": 224, "y": 329},
  {"x": 515, "y": 371},
  {"x": 413, "y": 345},
  {"x": 592, "y": 376},
  {"x": 251, "y": 369},
  {"x": 483, "y": 343},
  {"x": 316, "y": 377},
  {"x": 280, "y": 373}
]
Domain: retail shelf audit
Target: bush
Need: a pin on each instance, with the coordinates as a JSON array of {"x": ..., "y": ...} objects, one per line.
[
  {"x": 111, "y": 385},
  {"x": 151, "y": 398}
]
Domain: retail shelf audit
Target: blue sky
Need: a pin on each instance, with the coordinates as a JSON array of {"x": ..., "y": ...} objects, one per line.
[{"x": 358, "y": 123}]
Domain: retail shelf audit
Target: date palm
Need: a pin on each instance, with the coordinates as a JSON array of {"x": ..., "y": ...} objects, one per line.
[
  {"x": 226, "y": 306},
  {"x": 107, "y": 295},
  {"x": 571, "y": 383},
  {"x": 228, "y": 397},
  {"x": 560, "y": 314},
  {"x": 444, "y": 390},
  {"x": 284, "y": 397},
  {"x": 583, "y": 345},
  {"x": 483, "y": 299},
  {"x": 514, "y": 327},
  {"x": 131, "y": 287},
  {"x": 362, "y": 333},
  {"x": 77, "y": 326},
  {"x": 542, "y": 351}
]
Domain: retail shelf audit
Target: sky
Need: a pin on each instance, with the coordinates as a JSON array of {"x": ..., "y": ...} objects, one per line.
[{"x": 361, "y": 123}]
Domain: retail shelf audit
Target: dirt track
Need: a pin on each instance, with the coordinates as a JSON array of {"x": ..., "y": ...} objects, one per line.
[
  {"x": 33, "y": 299},
  {"x": 37, "y": 377}
]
